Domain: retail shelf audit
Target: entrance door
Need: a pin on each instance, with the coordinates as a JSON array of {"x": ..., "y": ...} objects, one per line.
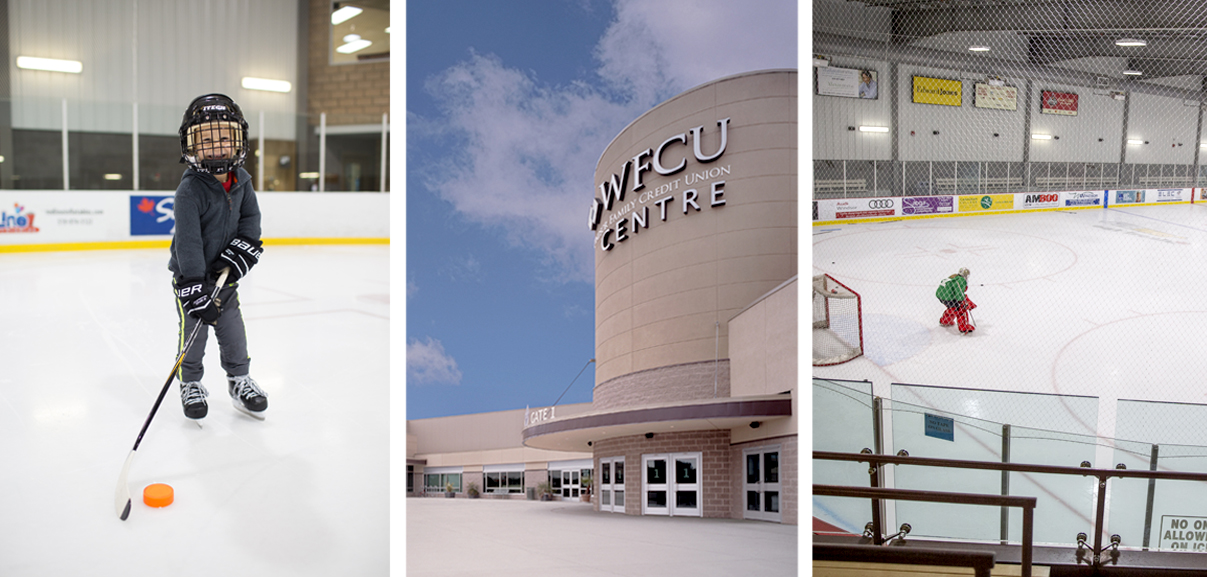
[
  {"x": 671, "y": 485},
  {"x": 611, "y": 484},
  {"x": 570, "y": 484},
  {"x": 762, "y": 487}
]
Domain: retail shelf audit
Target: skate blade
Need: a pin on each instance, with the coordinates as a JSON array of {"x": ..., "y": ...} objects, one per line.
[
  {"x": 239, "y": 407},
  {"x": 198, "y": 421}
]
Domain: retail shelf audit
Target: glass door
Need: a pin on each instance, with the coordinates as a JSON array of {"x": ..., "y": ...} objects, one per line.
[
  {"x": 671, "y": 485},
  {"x": 654, "y": 485},
  {"x": 570, "y": 484},
  {"x": 611, "y": 484},
  {"x": 762, "y": 487}
]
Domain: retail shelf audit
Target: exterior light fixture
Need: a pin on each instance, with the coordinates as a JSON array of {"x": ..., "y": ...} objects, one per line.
[
  {"x": 344, "y": 14},
  {"x": 1130, "y": 42},
  {"x": 266, "y": 84},
  {"x": 978, "y": 48},
  {"x": 1041, "y": 137},
  {"x": 50, "y": 64},
  {"x": 1132, "y": 73},
  {"x": 873, "y": 129},
  {"x": 1134, "y": 141}
]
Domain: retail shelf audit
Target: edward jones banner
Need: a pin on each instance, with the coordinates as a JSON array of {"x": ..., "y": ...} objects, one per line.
[
  {"x": 938, "y": 91},
  {"x": 996, "y": 97},
  {"x": 1058, "y": 103}
]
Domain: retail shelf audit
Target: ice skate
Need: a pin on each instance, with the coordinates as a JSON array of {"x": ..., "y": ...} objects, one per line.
[
  {"x": 192, "y": 398},
  {"x": 247, "y": 396}
]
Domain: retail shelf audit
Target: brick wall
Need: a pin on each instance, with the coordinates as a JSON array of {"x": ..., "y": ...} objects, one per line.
[
  {"x": 686, "y": 382},
  {"x": 344, "y": 90},
  {"x": 716, "y": 467}
]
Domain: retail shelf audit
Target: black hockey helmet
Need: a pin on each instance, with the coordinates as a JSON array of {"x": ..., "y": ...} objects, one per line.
[{"x": 213, "y": 135}]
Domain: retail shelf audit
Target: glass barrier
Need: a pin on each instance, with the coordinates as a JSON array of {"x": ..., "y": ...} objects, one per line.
[
  {"x": 64, "y": 144},
  {"x": 837, "y": 406}
]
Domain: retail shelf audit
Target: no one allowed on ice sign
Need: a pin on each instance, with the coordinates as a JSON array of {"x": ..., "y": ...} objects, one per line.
[{"x": 1183, "y": 533}]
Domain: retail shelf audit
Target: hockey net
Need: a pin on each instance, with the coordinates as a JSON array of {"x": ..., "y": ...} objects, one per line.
[{"x": 837, "y": 322}]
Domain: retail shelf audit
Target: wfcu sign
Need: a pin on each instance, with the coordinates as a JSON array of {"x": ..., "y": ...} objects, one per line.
[{"x": 700, "y": 186}]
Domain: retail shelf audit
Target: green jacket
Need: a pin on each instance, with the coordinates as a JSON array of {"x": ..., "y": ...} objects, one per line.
[{"x": 952, "y": 288}]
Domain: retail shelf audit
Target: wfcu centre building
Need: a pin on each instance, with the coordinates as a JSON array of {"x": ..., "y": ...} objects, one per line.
[{"x": 694, "y": 410}]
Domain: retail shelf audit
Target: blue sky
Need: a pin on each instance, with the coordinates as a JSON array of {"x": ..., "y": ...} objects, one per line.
[{"x": 509, "y": 106}]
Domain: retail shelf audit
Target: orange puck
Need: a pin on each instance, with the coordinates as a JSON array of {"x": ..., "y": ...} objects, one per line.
[{"x": 157, "y": 495}]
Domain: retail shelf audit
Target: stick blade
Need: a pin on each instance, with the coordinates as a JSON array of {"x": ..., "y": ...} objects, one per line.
[{"x": 122, "y": 499}]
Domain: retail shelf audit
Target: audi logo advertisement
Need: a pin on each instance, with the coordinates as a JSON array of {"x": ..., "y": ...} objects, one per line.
[{"x": 850, "y": 210}]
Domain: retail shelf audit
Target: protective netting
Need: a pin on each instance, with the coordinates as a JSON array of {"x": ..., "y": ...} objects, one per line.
[{"x": 974, "y": 97}]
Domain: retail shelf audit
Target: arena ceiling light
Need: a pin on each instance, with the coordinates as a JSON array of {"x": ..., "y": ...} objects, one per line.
[
  {"x": 353, "y": 46},
  {"x": 51, "y": 64},
  {"x": 1041, "y": 137},
  {"x": 1132, "y": 73},
  {"x": 266, "y": 84},
  {"x": 873, "y": 129},
  {"x": 344, "y": 14},
  {"x": 1134, "y": 141},
  {"x": 979, "y": 48},
  {"x": 113, "y": 176},
  {"x": 1130, "y": 42}
]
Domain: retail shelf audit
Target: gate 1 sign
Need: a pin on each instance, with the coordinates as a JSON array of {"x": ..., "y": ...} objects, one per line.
[{"x": 1183, "y": 533}]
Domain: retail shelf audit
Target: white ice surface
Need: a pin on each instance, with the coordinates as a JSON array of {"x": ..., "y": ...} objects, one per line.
[{"x": 87, "y": 343}]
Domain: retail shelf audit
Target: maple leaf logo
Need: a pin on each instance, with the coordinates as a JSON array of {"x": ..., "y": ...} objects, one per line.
[{"x": 146, "y": 206}]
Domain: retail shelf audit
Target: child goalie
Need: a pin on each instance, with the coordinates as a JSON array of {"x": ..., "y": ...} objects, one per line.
[{"x": 952, "y": 292}]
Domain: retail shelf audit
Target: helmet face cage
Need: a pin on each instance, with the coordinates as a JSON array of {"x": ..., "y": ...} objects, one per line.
[{"x": 213, "y": 135}]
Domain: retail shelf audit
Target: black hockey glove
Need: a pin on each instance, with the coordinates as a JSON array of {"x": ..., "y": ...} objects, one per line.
[
  {"x": 240, "y": 255},
  {"x": 195, "y": 300}
]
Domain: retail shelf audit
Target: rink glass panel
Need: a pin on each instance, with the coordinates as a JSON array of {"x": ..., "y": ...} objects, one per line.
[
  {"x": 842, "y": 422},
  {"x": 977, "y": 432}
]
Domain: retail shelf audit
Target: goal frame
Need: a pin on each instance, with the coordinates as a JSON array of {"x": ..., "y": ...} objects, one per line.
[{"x": 825, "y": 286}]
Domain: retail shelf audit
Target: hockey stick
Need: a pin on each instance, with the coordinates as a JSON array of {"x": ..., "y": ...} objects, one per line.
[{"x": 122, "y": 499}]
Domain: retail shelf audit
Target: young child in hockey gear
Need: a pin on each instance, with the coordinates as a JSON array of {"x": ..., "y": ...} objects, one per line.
[
  {"x": 217, "y": 226},
  {"x": 952, "y": 293}
]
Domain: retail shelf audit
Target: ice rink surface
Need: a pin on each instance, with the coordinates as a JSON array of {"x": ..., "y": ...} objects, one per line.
[
  {"x": 1109, "y": 303},
  {"x": 88, "y": 341}
]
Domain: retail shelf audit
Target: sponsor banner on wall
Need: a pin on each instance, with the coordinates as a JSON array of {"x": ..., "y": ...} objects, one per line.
[
  {"x": 938, "y": 91},
  {"x": 1200, "y": 195},
  {"x": 978, "y": 203},
  {"x": 31, "y": 217},
  {"x": 1129, "y": 196},
  {"x": 1172, "y": 195},
  {"x": 1063, "y": 103},
  {"x": 847, "y": 82},
  {"x": 996, "y": 97},
  {"x": 1183, "y": 533},
  {"x": 1083, "y": 198},
  {"x": 927, "y": 205},
  {"x": 151, "y": 215},
  {"x": 865, "y": 208},
  {"x": 1039, "y": 199}
]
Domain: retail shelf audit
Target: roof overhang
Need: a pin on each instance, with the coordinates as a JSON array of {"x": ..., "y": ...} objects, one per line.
[{"x": 574, "y": 433}]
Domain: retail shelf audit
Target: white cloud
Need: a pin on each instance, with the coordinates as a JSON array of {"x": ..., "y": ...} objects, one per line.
[
  {"x": 529, "y": 150},
  {"x": 428, "y": 363}
]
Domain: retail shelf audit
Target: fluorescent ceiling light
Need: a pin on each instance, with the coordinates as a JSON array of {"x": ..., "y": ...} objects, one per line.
[
  {"x": 351, "y": 38},
  {"x": 1134, "y": 141},
  {"x": 344, "y": 14},
  {"x": 387, "y": 29},
  {"x": 1132, "y": 73},
  {"x": 1130, "y": 42},
  {"x": 1041, "y": 137},
  {"x": 979, "y": 48},
  {"x": 113, "y": 176},
  {"x": 308, "y": 175},
  {"x": 266, "y": 84},
  {"x": 51, "y": 64},
  {"x": 873, "y": 129},
  {"x": 351, "y": 47}
]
